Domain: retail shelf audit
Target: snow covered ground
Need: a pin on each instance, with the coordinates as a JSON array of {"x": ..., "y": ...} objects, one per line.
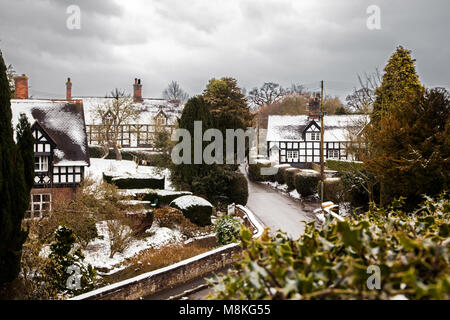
[
  {"x": 98, "y": 251},
  {"x": 283, "y": 188},
  {"x": 125, "y": 167}
]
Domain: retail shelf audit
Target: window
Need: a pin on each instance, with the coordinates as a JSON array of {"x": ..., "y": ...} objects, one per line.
[
  {"x": 333, "y": 153},
  {"x": 315, "y": 136},
  {"x": 292, "y": 156},
  {"x": 40, "y": 205},
  {"x": 41, "y": 164}
]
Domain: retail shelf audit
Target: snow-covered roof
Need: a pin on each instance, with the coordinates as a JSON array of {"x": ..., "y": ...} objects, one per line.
[
  {"x": 291, "y": 128},
  {"x": 151, "y": 108},
  {"x": 63, "y": 122}
]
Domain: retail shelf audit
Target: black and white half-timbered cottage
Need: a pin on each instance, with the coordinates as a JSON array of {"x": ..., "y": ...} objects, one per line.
[
  {"x": 136, "y": 133},
  {"x": 60, "y": 149},
  {"x": 295, "y": 140}
]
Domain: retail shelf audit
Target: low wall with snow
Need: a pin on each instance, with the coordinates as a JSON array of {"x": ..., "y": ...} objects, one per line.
[
  {"x": 155, "y": 281},
  {"x": 158, "y": 280}
]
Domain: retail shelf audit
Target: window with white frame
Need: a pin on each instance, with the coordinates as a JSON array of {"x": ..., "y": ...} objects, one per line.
[
  {"x": 315, "y": 136},
  {"x": 333, "y": 153},
  {"x": 292, "y": 155},
  {"x": 41, "y": 164},
  {"x": 40, "y": 205}
]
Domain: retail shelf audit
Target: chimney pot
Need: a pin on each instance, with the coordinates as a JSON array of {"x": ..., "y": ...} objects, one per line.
[
  {"x": 21, "y": 87},
  {"x": 68, "y": 90},
  {"x": 137, "y": 90}
]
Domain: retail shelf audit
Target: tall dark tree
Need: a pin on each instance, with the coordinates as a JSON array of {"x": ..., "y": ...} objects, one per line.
[
  {"x": 14, "y": 194},
  {"x": 195, "y": 109},
  {"x": 414, "y": 147},
  {"x": 25, "y": 143},
  {"x": 227, "y": 104},
  {"x": 399, "y": 80}
]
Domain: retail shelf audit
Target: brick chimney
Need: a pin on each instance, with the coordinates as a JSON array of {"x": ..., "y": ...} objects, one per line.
[
  {"x": 137, "y": 90},
  {"x": 68, "y": 90},
  {"x": 314, "y": 108},
  {"x": 21, "y": 87}
]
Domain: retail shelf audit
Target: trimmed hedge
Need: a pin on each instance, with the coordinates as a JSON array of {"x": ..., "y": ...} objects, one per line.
[
  {"x": 162, "y": 198},
  {"x": 279, "y": 176},
  {"x": 333, "y": 190},
  {"x": 196, "y": 213},
  {"x": 289, "y": 177},
  {"x": 343, "y": 166},
  {"x": 306, "y": 183},
  {"x": 135, "y": 183},
  {"x": 238, "y": 189},
  {"x": 254, "y": 171}
]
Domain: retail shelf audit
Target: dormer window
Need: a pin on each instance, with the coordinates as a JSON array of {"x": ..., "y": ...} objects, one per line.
[
  {"x": 315, "y": 136},
  {"x": 41, "y": 164},
  {"x": 161, "y": 121}
]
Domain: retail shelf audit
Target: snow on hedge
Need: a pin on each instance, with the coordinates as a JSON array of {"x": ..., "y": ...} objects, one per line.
[
  {"x": 122, "y": 169},
  {"x": 185, "y": 202},
  {"x": 158, "y": 192}
]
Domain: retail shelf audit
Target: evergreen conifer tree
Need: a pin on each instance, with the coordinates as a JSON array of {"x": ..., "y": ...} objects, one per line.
[{"x": 14, "y": 195}]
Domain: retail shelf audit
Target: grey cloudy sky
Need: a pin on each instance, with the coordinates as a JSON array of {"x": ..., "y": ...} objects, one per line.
[{"x": 191, "y": 41}]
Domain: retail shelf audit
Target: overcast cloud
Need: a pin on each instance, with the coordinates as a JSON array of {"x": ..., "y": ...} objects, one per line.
[{"x": 254, "y": 41}]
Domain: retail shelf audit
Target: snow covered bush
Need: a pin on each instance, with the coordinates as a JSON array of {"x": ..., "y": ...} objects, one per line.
[
  {"x": 227, "y": 229},
  {"x": 163, "y": 196},
  {"x": 289, "y": 177},
  {"x": 130, "y": 181},
  {"x": 333, "y": 190},
  {"x": 196, "y": 209},
  {"x": 306, "y": 182}
]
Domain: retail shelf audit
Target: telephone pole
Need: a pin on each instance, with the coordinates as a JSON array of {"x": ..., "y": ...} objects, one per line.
[{"x": 322, "y": 165}]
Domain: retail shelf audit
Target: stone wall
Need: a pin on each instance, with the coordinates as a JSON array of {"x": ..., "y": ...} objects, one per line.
[{"x": 161, "y": 279}]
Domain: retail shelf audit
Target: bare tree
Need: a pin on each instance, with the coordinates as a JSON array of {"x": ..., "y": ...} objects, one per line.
[
  {"x": 174, "y": 92},
  {"x": 114, "y": 113},
  {"x": 362, "y": 99},
  {"x": 269, "y": 93},
  {"x": 11, "y": 73}
]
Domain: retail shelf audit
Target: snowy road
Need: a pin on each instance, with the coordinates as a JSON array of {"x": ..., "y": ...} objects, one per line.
[{"x": 278, "y": 211}]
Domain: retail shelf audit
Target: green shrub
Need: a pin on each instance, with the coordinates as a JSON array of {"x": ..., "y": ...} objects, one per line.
[
  {"x": 343, "y": 166},
  {"x": 306, "y": 183},
  {"x": 95, "y": 151},
  {"x": 254, "y": 171},
  {"x": 196, "y": 209},
  {"x": 279, "y": 176},
  {"x": 227, "y": 229},
  {"x": 289, "y": 177},
  {"x": 333, "y": 190},
  {"x": 409, "y": 248},
  {"x": 134, "y": 183},
  {"x": 237, "y": 189}
]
